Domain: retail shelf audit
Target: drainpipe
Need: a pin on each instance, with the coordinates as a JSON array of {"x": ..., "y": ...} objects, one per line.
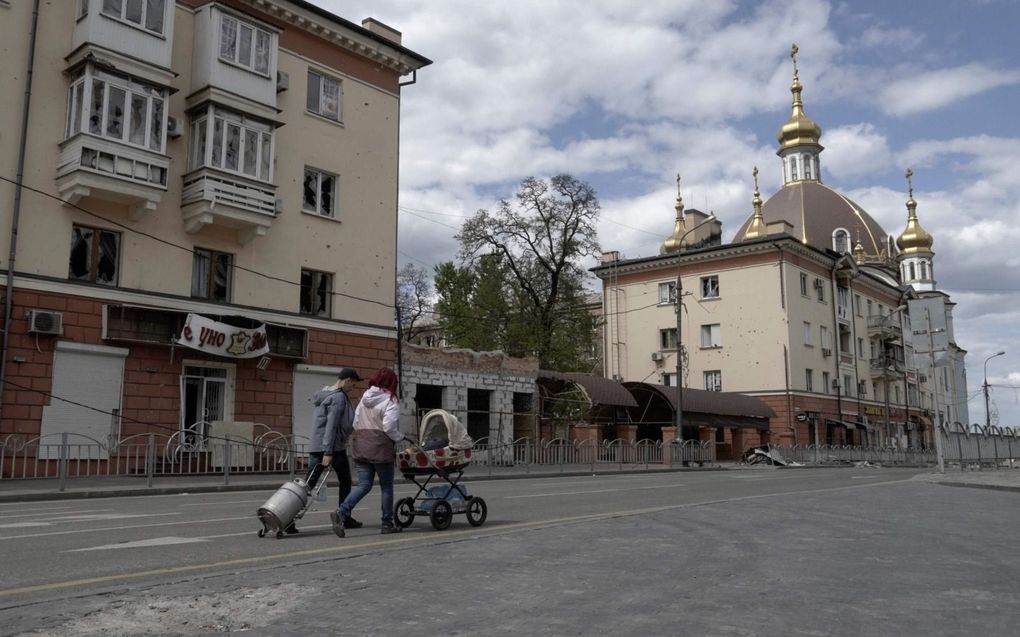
[{"x": 16, "y": 211}]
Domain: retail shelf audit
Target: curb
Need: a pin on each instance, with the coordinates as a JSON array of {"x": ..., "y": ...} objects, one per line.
[
  {"x": 975, "y": 485},
  {"x": 39, "y": 496}
]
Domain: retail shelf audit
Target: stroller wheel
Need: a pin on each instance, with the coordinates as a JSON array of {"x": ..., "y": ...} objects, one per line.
[
  {"x": 441, "y": 515},
  {"x": 476, "y": 511},
  {"x": 279, "y": 535},
  {"x": 403, "y": 513}
]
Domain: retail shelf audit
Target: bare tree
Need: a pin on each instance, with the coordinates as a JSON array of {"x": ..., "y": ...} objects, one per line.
[
  {"x": 414, "y": 298},
  {"x": 541, "y": 238}
]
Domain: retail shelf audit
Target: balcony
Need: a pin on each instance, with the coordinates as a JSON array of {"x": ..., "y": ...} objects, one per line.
[
  {"x": 885, "y": 327},
  {"x": 106, "y": 169},
  {"x": 887, "y": 367},
  {"x": 213, "y": 197}
]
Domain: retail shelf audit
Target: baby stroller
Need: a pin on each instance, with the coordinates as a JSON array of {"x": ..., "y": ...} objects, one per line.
[{"x": 444, "y": 451}]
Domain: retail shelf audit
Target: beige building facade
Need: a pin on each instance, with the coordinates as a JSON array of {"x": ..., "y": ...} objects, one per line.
[
  {"x": 812, "y": 307},
  {"x": 235, "y": 161}
]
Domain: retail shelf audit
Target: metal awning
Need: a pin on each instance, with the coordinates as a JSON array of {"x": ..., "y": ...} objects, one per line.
[
  {"x": 713, "y": 409},
  {"x": 844, "y": 423},
  {"x": 600, "y": 391}
]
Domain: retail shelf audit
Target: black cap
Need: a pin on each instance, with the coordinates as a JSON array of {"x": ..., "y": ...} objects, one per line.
[{"x": 348, "y": 372}]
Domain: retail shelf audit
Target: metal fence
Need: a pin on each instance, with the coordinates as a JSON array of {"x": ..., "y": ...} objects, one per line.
[{"x": 67, "y": 456}]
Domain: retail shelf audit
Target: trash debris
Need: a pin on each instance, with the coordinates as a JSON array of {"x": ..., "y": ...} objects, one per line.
[{"x": 765, "y": 455}]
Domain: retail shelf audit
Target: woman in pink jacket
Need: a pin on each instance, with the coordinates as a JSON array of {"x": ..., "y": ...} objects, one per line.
[{"x": 372, "y": 447}]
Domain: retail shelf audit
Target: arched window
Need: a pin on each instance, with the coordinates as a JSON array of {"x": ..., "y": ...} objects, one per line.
[
  {"x": 924, "y": 270},
  {"x": 841, "y": 241},
  {"x": 794, "y": 175},
  {"x": 807, "y": 167},
  {"x": 913, "y": 272}
]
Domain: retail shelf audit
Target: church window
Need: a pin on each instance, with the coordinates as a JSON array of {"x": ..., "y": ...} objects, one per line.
[
  {"x": 794, "y": 175},
  {"x": 841, "y": 241},
  {"x": 913, "y": 272},
  {"x": 807, "y": 168}
]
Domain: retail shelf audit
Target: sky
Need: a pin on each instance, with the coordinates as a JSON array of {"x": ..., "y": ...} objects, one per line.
[{"x": 627, "y": 95}]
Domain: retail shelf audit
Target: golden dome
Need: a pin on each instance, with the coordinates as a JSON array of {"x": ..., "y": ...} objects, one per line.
[
  {"x": 672, "y": 243},
  {"x": 757, "y": 228},
  {"x": 915, "y": 239},
  {"x": 799, "y": 130}
]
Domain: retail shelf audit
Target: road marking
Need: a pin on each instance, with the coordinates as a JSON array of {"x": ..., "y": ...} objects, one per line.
[
  {"x": 66, "y": 511},
  {"x": 156, "y": 541},
  {"x": 21, "y": 525},
  {"x": 121, "y": 528},
  {"x": 546, "y": 495},
  {"x": 102, "y": 517}
]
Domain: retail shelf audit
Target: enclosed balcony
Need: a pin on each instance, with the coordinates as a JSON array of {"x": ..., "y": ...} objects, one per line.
[
  {"x": 887, "y": 367},
  {"x": 231, "y": 164},
  {"x": 114, "y": 140}
]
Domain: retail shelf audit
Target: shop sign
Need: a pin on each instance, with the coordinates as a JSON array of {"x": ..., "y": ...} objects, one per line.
[
  {"x": 220, "y": 339},
  {"x": 874, "y": 411}
]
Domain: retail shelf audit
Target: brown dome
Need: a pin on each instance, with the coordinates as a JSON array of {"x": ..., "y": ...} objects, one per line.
[{"x": 815, "y": 212}]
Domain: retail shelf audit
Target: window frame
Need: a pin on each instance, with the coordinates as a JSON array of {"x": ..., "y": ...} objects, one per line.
[
  {"x": 142, "y": 24},
  {"x": 94, "y": 256},
  {"x": 713, "y": 379},
  {"x": 208, "y": 119},
  {"x": 668, "y": 340},
  {"x": 713, "y": 331},
  {"x": 670, "y": 297},
  {"x": 825, "y": 382},
  {"x": 803, "y": 284},
  {"x": 809, "y": 379},
  {"x": 210, "y": 276},
  {"x": 256, "y": 31},
  {"x": 808, "y": 335},
  {"x": 82, "y": 112},
  {"x": 819, "y": 290},
  {"x": 315, "y": 278},
  {"x": 706, "y": 281},
  {"x": 319, "y": 176},
  {"x": 321, "y": 79}
]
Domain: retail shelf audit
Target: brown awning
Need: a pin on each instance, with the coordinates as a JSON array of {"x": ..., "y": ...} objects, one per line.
[
  {"x": 713, "y": 408},
  {"x": 600, "y": 391}
]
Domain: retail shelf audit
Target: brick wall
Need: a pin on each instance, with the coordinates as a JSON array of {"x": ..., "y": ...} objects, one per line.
[{"x": 152, "y": 373}]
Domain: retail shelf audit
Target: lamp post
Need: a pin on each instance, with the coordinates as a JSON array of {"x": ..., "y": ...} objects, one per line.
[
  {"x": 988, "y": 415},
  {"x": 677, "y": 438}
]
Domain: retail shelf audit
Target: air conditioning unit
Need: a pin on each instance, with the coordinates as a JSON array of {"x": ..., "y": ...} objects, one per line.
[
  {"x": 282, "y": 81},
  {"x": 826, "y": 351},
  {"x": 656, "y": 356},
  {"x": 45, "y": 322},
  {"x": 174, "y": 127}
]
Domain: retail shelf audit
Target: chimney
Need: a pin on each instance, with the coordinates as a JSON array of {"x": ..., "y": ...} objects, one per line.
[{"x": 381, "y": 29}]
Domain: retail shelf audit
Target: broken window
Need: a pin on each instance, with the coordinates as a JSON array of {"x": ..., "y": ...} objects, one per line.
[
  {"x": 211, "y": 275},
  {"x": 710, "y": 287},
  {"x": 316, "y": 293},
  {"x": 95, "y": 255},
  {"x": 319, "y": 192}
]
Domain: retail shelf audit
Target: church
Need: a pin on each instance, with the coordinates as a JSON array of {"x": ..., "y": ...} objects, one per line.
[{"x": 812, "y": 307}]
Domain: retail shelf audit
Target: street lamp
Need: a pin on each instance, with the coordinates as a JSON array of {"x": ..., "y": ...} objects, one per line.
[
  {"x": 679, "y": 341},
  {"x": 988, "y": 416}
]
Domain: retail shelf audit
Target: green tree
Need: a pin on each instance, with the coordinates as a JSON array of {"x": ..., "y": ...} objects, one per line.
[{"x": 526, "y": 273}]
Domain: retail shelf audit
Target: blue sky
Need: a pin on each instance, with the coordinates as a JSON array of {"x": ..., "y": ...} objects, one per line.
[{"x": 627, "y": 95}]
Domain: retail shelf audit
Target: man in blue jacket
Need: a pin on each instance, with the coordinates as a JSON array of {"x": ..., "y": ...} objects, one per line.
[{"x": 332, "y": 424}]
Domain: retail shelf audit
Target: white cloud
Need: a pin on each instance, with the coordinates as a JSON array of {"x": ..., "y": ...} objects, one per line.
[
  {"x": 855, "y": 150},
  {"x": 917, "y": 92}
]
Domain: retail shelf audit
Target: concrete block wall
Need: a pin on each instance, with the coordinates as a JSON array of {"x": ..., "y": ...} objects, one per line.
[{"x": 457, "y": 371}]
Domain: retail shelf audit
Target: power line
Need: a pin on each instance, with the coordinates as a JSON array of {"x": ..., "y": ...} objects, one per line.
[{"x": 167, "y": 242}]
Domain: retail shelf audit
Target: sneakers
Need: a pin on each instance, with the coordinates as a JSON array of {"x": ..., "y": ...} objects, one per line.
[
  {"x": 389, "y": 528},
  {"x": 351, "y": 523},
  {"x": 338, "y": 523}
]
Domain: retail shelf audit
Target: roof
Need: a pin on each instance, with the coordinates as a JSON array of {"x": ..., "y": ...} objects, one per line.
[
  {"x": 600, "y": 391},
  {"x": 815, "y": 211}
]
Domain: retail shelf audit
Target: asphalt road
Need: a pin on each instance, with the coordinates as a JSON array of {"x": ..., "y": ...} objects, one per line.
[{"x": 757, "y": 552}]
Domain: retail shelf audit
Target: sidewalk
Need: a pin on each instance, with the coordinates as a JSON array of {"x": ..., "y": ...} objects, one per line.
[{"x": 13, "y": 490}]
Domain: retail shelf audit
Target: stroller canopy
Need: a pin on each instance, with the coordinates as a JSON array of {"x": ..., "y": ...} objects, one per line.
[{"x": 440, "y": 423}]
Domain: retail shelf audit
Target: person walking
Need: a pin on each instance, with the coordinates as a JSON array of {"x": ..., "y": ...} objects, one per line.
[
  {"x": 372, "y": 447},
  {"x": 332, "y": 425}
]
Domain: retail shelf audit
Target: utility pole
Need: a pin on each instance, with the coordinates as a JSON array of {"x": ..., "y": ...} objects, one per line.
[
  {"x": 984, "y": 386},
  {"x": 935, "y": 391}
]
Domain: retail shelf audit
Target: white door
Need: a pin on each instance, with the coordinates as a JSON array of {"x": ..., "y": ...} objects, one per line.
[
  {"x": 93, "y": 377},
  {"x": 206, "y": 395},
  {"x": 308, "y": 379}
]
